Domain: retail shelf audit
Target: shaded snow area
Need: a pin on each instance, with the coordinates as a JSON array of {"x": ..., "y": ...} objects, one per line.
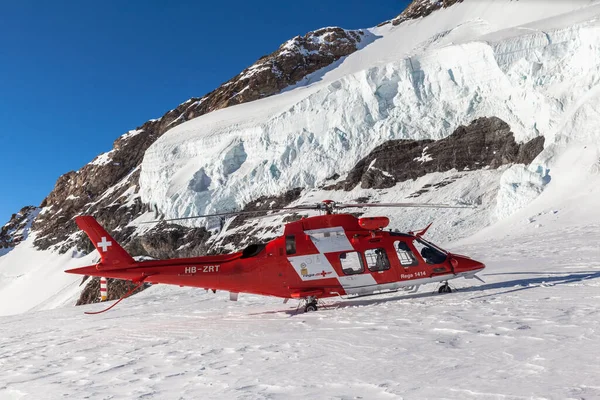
[
  {"x": 34, "y": 280},
  {"x": 419, "y": 80},
  {"x": 532, "y": 331}
]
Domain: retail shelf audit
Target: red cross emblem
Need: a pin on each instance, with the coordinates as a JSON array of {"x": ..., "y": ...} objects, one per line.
[{"x": 323, "y": 274}]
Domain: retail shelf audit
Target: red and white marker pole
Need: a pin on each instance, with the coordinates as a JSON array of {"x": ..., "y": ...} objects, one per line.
[{"x": 103, "y": 290}]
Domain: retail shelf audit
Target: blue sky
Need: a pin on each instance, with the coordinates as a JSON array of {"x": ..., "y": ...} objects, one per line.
[{"x": 75, "y": 75}]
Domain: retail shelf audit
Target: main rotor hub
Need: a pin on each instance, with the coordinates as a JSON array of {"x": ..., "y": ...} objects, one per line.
[{"x": 327, "y": 206}]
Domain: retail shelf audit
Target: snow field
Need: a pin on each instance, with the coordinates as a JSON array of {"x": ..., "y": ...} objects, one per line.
[
  {"x": 531, "y": 331},
  {"x": 33, "y": 280}
]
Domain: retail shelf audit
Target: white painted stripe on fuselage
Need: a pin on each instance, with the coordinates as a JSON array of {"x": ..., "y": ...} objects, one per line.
[
  {"x": 316, "y": 266},
  {"x": 369, "y": 289},
  {"x": 360, "y": 280},
  {"x": 313, "y": 267}
]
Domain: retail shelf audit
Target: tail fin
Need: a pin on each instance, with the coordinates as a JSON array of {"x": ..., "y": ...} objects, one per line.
[{"x": 113, "y": 256}]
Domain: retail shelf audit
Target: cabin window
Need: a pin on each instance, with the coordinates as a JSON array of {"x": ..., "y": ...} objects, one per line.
[
  {"x": 430, "y": 253},
  {"x": 351, "y": 263},
  {"x": 377, "y": 260},
  {"x": 290, "y": 244},
  {"x": 405, "y": 254}
]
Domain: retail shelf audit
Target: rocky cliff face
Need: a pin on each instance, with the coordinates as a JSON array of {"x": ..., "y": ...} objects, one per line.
[
  {"x": 108, "y": 186},
  {"x": 17, "y": 228},
  {"x": 485, "y": 143},
  {"x": 294, "y": 60},
  {"x": 422, "y": 8}
]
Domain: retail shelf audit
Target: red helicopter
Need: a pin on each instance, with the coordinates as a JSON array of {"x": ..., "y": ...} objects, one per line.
[{"x": 317, "y": 257}]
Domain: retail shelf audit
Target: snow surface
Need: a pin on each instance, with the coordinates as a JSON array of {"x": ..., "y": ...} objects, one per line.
[
  {"x": 132, "y": 133},
  {"x": 103, "y": 158},
  {"x": 31, "y": 279}
]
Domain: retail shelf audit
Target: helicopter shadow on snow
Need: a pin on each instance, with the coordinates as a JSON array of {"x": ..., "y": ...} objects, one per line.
[
  {"x": 332, "y": 304},
  {"x": 546, "y": 280},
  {"x": 514, "y": 285}
]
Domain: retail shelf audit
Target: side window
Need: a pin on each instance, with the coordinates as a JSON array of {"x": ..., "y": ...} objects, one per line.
[
  {"x": 429, "y": 252},
  {"x": 405, "y": 255},
  {"x": 290, "y": 244},
  {"x": 377, "y": 260},
  {"x": 351, "y": 263}
]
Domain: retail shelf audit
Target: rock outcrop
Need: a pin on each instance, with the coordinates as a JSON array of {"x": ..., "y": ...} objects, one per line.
[
  {"x": 17, "y": 228},
  {"x": 422, "y": 8},
  {"x": 116, "y": 289},
  {"x": 485, "y": 143},
  {"x": 167, "y": 240},
  {"x": 294, "y": 60}
]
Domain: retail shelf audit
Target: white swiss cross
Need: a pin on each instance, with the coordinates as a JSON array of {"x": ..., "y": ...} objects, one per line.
[{"x": 104, "y": 245}]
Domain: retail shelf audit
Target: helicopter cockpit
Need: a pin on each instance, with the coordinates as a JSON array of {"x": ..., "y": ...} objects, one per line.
[{"x": 431, "y": 253}]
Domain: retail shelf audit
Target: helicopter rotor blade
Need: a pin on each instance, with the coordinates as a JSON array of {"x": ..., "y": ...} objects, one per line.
[
  {"x": 406, "y": 205},
  {"x": 311, "y": 207},
  {"x": 281, "y": 210},
  {"x": 280, "y": 213}
]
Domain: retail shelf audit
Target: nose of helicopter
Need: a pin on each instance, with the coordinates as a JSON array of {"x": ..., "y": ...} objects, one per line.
[{"x": 465, "y": 265}]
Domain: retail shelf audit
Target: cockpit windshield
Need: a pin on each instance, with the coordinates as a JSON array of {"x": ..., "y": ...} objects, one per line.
[
  {"x": 438, "y": 248},
  {"x": 431, "y": 253}
]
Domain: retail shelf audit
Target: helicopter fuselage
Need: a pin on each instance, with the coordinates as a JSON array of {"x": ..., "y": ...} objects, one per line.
[{"x": 316, "y": 257}]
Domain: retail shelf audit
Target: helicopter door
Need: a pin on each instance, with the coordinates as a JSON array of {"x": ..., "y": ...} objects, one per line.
[
  {"x": 378, "y": 264},
  {"x": 351, "y": 263},
  {"x": 406, "y": 257},
  {"x": 353, "y": 279}
]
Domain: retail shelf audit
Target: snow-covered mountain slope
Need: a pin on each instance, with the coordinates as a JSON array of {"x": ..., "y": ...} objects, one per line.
[
  {"x": 31, "y": 279},
  {"x": 17, "y": 229},
  {"x": 532, "y": 65},
  {"x": 419, "y": 80},
  {"x": 531, "y": 331}
]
